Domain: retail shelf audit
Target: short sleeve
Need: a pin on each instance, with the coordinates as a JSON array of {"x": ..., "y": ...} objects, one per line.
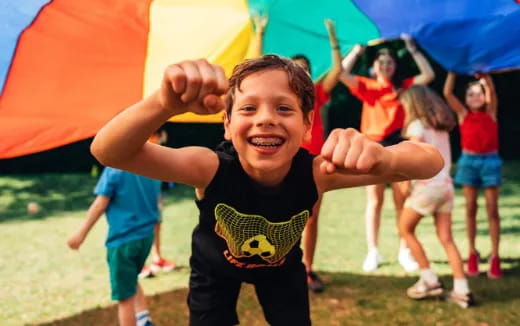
[
  {"x": 363, "y": 91},
  {"x": 322, "y": 97},
  {"x": 107, "y": 183},
  {"x": 407, "y": 83},
  {"x": 415, "y": 129}
]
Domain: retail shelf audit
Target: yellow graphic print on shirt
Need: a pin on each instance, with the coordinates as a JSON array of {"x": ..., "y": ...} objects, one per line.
[{"x": 250, "y": 235}]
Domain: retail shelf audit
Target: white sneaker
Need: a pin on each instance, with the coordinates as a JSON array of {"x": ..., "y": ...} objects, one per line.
[
  {"x": 372, "y": 260},
  {"x": 406, "y": 260}
]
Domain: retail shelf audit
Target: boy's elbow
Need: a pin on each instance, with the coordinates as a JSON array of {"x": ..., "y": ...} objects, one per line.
[
  {"x": 97, "y": 150},
  {"x": 434, "y": 161},
  {"x": 439, "y": 163}
]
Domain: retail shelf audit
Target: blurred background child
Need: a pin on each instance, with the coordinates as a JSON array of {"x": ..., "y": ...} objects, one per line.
[
  {"x": 382, "y": 119},
  {"x": 479, "y": 166},
  {"x": 428, "y": 119}
]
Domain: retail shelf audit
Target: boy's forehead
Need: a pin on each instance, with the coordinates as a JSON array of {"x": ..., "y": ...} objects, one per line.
[{"x": 271, "y": 79}]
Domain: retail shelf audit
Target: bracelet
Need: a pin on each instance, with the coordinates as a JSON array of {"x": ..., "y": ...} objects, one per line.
[{"x": 336, "y": 47}]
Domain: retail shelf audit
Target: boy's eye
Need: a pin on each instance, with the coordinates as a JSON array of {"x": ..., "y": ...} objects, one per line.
[
  {"x": 284, "y": 108},
  {"x": 248, "y": 108}
]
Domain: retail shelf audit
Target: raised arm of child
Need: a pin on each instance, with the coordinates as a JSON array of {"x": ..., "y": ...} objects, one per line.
[
  {"x": 452, "y": 100},
  {"x": 491, "y": 95},
  {"x": 332, "y": 77},
  {"x": 260, "y": 23},
  {"x": 426, "y": 74},
  {"x": 350, "y": 159},
  {"x": 189, "y": 86},
  {"x": 96, "y": 209},
  {"x": 348, "y": 63}
]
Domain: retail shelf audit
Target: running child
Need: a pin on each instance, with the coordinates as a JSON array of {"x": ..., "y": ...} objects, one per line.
[
  {"x": 428, "y": 119},
  {"x": 479, "y": 166},
  {"x": 257, "y": 191},
  {"x": 131, "y": 205}
]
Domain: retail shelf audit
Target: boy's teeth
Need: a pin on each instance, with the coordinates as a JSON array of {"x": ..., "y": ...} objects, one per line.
[{"x": 266, "y": 141}]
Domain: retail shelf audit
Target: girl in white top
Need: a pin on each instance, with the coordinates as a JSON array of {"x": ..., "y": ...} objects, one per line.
[{"x": 428, "y": 119}]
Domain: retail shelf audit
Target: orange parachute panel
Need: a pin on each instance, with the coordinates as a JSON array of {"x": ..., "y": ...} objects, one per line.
[{"x": 63, "y": 62}]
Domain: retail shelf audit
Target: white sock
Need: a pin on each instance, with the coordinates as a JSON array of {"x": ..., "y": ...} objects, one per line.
[
  {"x": 460, "y": 286},
  {"x": 429, "y": 276},
  {"x": 142, "y": 317},
  {"x": 373, "y": 251}
]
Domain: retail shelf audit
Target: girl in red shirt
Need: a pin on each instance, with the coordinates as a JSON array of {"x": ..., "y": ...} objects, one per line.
[{"x": 479, "y": 165}]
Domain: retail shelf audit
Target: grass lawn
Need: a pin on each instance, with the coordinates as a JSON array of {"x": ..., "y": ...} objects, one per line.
[{"x": 45, "y": 283}]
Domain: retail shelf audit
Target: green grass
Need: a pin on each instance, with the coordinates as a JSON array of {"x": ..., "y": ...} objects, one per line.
[{"x": 43, "y": 282}]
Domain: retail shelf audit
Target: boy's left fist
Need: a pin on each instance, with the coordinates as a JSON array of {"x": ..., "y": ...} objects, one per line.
[{"x": 351, "y": 151}]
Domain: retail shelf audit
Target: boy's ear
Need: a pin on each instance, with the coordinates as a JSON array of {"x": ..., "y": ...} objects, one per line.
[
  {"x": 227, "y": 133},
  {"x": 308, "y": 124}
]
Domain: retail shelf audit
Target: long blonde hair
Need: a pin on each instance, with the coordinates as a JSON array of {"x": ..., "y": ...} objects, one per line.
[{"x": 422, "y": 103}]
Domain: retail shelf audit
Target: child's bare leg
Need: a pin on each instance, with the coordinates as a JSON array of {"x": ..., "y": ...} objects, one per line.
[
  {"x": 375, "y": 197},
  {"x": 399, "y": 199},
  {"x": 126, "y": 311},
  {"x": 491, "y": 195},
  {"x": 310, "y": 236},
  {"x": 407, "y": 224},
  {"x": 443, "y": 227},
  {"x": 156, "y": 247},
  {"x": 470, "y": 194},
  {"x": 140, "y": 300}
]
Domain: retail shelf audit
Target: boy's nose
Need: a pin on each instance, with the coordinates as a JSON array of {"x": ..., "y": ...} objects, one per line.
[{"x": 265, "y": 116}]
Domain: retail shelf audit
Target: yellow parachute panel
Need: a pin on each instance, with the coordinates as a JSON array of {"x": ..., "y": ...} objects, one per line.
[{"x": 217, "y": 30}]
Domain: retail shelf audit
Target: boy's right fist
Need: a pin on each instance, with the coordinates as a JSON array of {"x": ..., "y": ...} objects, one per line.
[
  {"x": 351, "y": 151},
  {"x": 193, "y": 86}
]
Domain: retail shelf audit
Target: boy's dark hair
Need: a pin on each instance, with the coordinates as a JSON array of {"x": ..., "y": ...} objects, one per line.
[
  {"x": 299, "y": 80},
  {"x": 304, "y": 58}
]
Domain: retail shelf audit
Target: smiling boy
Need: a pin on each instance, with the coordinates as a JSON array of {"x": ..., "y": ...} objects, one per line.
[{"x": 256, "y": 192}]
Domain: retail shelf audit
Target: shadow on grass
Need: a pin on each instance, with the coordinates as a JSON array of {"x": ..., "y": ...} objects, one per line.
[
  {"x": 351, "y": 299},
  {"x": 56, "y": 194}
]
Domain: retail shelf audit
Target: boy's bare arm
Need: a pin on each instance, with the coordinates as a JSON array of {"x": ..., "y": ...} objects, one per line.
[
  {"x": 189, "y": 86},
  {"x": 350, "y": 159},
  {"x": 96, "y": 209}
]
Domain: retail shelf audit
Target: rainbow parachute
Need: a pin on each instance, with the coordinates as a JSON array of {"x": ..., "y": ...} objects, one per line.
[{"x": 66, "y": 67}]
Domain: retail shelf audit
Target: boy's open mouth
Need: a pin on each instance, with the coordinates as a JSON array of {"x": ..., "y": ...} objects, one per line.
[{"x": 266, "y": 142}]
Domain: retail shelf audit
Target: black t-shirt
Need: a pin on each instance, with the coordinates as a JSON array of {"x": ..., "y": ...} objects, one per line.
[{"x": 246, "y": 228}]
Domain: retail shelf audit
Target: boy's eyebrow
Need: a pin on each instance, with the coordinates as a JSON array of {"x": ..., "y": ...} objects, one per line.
[{"x": 275, "y": 98}]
